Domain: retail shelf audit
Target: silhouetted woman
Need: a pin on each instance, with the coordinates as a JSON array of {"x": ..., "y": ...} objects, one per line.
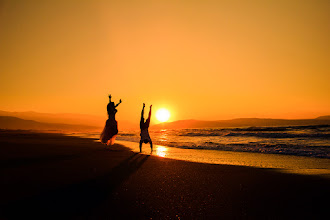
[{"x": 110, "y": 130}]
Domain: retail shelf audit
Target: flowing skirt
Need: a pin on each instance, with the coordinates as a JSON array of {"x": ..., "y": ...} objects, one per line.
[{"x": 109, "y": 132}]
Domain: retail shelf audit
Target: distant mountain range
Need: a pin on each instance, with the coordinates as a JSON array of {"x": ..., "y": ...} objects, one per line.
[
  {"x": 83, "y": 122},
  {"x": 62, "y": 118},
  {"x": 242, "y": 122},
  {"x": 9, "y": 122},
  {"x": 326, "y": 117}
]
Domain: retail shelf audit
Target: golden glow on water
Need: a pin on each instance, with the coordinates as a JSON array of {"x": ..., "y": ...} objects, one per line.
[
  {"x": 161, "y": 151},
  {"x": 163, "y": 135}
]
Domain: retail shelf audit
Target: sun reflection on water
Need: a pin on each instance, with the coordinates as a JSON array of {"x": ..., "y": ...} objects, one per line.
[
  {"x": 163, "y": 135},
  {"x": 161, "y": 151}
]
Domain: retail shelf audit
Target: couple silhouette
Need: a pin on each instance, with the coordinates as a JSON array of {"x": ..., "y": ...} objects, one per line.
[{"x": 110, "y": 130}]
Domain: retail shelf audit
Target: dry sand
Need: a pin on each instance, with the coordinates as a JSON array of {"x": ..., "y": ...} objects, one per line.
[{"x": 51, "y": 176}]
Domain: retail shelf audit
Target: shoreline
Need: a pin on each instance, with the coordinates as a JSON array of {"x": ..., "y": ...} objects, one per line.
[
  {"x": 54, "y": 176},
  {"x": 312, "y": 148},
  {"x": 282, "y": 163}
]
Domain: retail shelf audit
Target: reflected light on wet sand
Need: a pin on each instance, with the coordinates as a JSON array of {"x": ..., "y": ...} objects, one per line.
[
  {"x": 282, "y": 163},
  {"x": 161, "y": 151}
]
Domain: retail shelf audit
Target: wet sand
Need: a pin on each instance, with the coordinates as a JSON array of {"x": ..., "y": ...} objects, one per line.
[
  {"x": 277, "y": 162},
  {"x": 51, "y": 176}
]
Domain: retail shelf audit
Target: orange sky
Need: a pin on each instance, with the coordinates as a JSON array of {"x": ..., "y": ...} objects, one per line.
[{"x": 205, "y": 59}]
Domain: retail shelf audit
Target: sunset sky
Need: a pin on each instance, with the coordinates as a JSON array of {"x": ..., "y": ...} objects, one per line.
[{"x": 200, "y": 59}]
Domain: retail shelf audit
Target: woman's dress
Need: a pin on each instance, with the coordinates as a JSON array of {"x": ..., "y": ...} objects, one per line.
[{"x": 109, "y": 132}]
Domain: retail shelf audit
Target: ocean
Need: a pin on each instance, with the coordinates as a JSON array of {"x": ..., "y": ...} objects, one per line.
[{"x": 307, "y": 141}]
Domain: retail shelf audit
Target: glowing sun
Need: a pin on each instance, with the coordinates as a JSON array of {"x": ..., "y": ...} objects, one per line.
[{"x": 162, "y": 115}]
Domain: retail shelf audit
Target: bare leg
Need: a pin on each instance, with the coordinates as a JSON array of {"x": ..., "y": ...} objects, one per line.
[
  {"x": 151, "y": 145},
  {"x": 141, "y": 146}
]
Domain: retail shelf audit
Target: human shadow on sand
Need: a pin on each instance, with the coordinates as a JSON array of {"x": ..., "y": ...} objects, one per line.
[{"x": 76, "y": 199}]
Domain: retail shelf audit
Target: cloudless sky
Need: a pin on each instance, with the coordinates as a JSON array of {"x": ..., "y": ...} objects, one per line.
[{"x": 205, "y": 59}]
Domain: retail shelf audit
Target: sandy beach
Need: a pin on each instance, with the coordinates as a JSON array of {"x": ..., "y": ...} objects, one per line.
[{"x": 52, "y": 176}]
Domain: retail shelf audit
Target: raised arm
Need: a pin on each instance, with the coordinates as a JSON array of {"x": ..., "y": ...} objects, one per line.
[
  {"x": 149, "y": 117},
  {"x": 142, "y": 113},
  {"x": 118, "y": 103},
  {"x": 149, "y": 113}
]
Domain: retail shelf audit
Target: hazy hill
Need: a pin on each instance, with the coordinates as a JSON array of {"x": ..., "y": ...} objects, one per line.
[
  {"x": 65, "y": 118},
  {"x": 8, "y": 122},
  {"x": 326, "y": 117},
  {"x": 69, "y": 119},
  {"x": 241, "y": 122}
]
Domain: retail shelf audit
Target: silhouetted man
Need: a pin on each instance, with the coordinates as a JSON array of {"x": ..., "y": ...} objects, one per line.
[{"x": 145, "y": 138}]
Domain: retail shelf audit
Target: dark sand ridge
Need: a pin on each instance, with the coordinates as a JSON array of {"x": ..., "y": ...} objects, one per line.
[{"x": 54, "y": 176}]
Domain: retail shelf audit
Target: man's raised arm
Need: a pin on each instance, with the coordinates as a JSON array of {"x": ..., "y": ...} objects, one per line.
[
  {"x": 149, "y": 112},
  {"x": 142, "y": 113}
]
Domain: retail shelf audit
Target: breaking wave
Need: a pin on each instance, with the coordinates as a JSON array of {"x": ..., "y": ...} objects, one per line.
[{"x": 310, "y": 141}]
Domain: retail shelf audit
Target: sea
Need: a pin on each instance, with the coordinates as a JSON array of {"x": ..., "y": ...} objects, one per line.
[{"x": 307, "y": 141}]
